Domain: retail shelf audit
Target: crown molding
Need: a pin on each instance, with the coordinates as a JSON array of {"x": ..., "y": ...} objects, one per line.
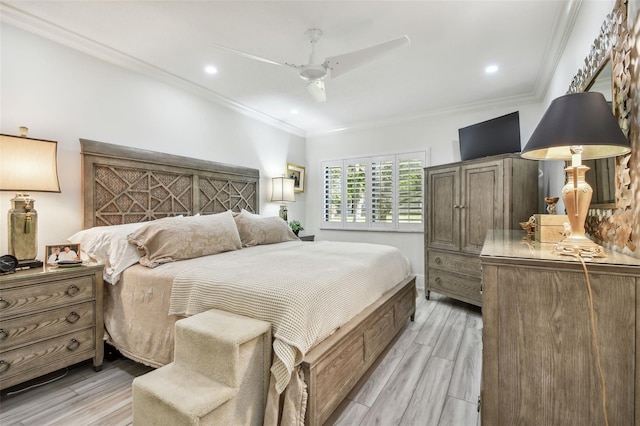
[
  {"x": 28, "y": 22},
  {"x": 563, "y": 26}
]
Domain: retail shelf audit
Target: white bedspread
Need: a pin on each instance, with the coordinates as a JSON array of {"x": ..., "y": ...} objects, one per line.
[{"x": 306, "y": 290}]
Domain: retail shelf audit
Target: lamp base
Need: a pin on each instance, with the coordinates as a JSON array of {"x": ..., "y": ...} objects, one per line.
[
  {"x": 30, "y": 263},
  {"x": 579, "y": 245},
  {"x": 283, "y": 212}
]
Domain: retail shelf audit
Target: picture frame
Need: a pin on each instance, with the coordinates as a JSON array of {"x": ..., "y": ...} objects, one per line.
[
  {"x": 298, "y": 174},
  {"x": 65, "y": 251}
]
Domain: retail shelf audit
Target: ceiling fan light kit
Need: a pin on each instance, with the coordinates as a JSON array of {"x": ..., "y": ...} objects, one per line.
[{"x": 316, "y": 71}]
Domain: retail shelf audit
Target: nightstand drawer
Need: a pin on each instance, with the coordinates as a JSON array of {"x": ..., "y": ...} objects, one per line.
[
  {"x": 32, "y": 328},
  {"x": 80, "y": 344},
  {"x": 22, "y": 300},
  {"x": 458, "y": 263}
]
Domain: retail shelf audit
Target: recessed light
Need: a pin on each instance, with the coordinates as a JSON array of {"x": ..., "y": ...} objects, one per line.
[
  {"x": 294, "y": 111},
  {"x": 490, "y": 69},
  {"x": 210, "y": 69}
]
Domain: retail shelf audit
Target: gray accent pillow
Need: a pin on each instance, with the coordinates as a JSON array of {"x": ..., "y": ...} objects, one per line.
[
  {"x": 185, "y": 238},
  {"x": 255, "y": 230}
]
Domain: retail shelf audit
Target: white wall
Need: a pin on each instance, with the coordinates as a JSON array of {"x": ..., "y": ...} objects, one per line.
[
  {"x": 63, "y": 95},
  {"x": 438, "y": 135}
]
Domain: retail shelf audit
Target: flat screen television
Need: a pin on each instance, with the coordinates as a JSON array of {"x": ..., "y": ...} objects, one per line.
[{"x": 500, "y": 135}]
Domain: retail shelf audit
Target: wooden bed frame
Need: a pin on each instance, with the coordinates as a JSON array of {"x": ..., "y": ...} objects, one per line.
[{"x": 126, "y": 185}]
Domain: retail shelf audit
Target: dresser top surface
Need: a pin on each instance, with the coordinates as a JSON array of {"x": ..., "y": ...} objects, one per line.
[{"x": 511, "y": 245}]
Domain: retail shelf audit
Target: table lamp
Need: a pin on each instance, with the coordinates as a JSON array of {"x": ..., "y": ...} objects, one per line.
[
  {"x": 282, "y": 191},
  {"x": 26, "y": 165},
  {"x": 576, "y": 126}
]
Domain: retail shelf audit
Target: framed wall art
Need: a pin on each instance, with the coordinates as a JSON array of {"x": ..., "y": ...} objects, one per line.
[{"x": 297, "y": 173}]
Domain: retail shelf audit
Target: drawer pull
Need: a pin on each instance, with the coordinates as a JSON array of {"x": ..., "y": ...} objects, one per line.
[
  {"x": 4, "y": 366},
  {"x": 4, "y": 303},
  {"x": 72, "y": 290},
  {"x": 73, "y": 345},
  {"x": 73, "y": 317},
  {"x": 438, "y": 280},
  {"x": 3, "y": 334},
  {"x": 438, "y": 260}
]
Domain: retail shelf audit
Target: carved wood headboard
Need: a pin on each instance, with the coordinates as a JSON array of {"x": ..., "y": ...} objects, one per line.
[{"x": 126, "y": 185}]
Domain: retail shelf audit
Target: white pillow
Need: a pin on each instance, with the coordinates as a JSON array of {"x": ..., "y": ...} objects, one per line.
[{"x": 109, "y": 245}]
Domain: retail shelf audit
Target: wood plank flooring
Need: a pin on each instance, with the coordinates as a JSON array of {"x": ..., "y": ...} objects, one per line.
[{"x": 430, "y": 375}]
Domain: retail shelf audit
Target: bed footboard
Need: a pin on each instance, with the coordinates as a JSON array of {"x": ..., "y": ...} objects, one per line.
[{"x": 333, "y": 368}]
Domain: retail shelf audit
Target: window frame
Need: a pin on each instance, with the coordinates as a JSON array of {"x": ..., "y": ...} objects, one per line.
[{"x": 367, "y": 207}]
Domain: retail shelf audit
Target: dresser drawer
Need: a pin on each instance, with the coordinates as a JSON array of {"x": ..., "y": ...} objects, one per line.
[
  {"x": 458, "y": 263},
  {"x": 22, "y": 300},
  {"x": 32, "y": 328},
  {"x": 466, "y": 288},
  {"x": 79, "y": 344}
]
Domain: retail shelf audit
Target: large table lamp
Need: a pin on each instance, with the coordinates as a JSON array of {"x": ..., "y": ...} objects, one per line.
[
  {"x": 576, "y": 126},
  {"x": 282, "y": 191},
  {"x": 26, "y": 165}
]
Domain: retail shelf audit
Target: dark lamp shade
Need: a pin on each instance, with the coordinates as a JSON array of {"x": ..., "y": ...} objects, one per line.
[{"x": 583, "y": 119}]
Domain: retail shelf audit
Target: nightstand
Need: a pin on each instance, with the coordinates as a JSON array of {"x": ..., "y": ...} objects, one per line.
[
  {"x": 307, "y": 237},
  {"x": 50, "y": 318}
]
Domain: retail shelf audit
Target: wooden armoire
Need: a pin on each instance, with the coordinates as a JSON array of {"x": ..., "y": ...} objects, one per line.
[{"x": 463, "y": 200}]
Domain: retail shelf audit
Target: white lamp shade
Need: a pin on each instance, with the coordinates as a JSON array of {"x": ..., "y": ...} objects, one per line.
[
  {"x": 282, "y": 189},
  {"x": 28, "y": 164}
]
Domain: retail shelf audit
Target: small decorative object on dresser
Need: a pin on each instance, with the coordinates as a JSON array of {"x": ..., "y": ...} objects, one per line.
[
  {"x": 50, "y": 318},
  {"x": 308, "y": 238},
  {"x": 551, "y": 204},
  {"x": 8, "y": 264},
  {"x": 63, "y": 254}
]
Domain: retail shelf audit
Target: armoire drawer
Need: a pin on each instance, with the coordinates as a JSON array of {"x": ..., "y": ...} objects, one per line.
[
  {"x": 458, "y": 263},
  {"x": 468, "y": 288}
]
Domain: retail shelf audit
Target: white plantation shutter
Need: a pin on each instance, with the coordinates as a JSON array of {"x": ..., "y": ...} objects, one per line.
[
  {"x": 332, "y": 206},
  {"x": 382, "y": 191},
  {"x": 409, "y": 190},
  {"x": 356, "y": 209},
  {"x": 374, "y": 193}
]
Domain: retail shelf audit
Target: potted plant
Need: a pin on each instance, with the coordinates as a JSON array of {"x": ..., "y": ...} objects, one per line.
[{"x": 296, "y": 227}]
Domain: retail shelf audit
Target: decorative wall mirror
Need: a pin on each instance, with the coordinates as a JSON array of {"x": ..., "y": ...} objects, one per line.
[
  {"x": 602, "y": 176},
  {"x": 606, "y": 69}
]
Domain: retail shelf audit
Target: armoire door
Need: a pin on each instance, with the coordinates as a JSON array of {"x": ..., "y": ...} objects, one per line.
[
  {"x": 481, "y": 206},
  {"x": 442, "y": 198}
]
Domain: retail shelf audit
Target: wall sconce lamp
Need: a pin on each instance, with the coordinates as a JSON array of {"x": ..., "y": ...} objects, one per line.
[
  {"x": 576, "y": 126},
  {"x": 282, "y": 191},
  {"x": 26, "y": 165}
]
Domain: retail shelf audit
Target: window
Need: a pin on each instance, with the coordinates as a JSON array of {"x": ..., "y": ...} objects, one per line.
[{"x": 374, "y": 193}]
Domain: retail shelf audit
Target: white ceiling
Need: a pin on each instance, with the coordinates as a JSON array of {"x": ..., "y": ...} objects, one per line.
[{"x": 441, "y": 70}]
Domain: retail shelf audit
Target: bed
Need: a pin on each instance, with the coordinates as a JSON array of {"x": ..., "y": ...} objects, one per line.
[{"x": 124, "y": 188}]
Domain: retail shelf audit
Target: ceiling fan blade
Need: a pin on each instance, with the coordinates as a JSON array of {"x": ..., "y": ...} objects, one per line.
[
  {"x": 316, "y": 88},
  {"x": 346, "y": 62},
  {"x": 250, "y": 55}
]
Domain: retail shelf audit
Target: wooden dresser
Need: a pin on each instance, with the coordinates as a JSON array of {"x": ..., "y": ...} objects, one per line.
[
  {"x": 49, "y": 319},
  {"x": 463, "y": 200},
  {"x": 539, "y": 362}
]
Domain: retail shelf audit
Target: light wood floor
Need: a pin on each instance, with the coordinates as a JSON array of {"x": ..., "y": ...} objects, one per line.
[{"x": 429, "y": 376}]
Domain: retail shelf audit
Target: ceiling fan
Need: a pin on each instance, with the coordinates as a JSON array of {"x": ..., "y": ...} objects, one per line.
[{"x": 317, "y": 70}]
